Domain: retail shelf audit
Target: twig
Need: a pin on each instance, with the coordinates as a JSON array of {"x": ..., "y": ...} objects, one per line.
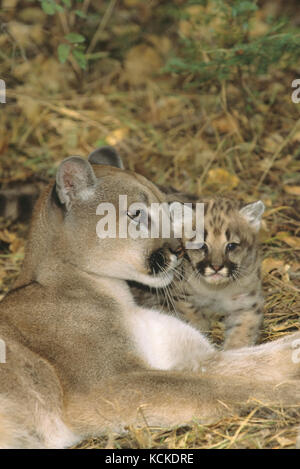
[
  {"x": 13, "y": 40},
  {"x": 243, "y": 424},
  {"x": 65, "y": 27},
  {"x": 64, "y": 22},
  {"x": 277, "y": 153},
  {"x": 85, "y": 6},
  {"x": 102, "y": 25},
  {"x": 64, "y": 111}
]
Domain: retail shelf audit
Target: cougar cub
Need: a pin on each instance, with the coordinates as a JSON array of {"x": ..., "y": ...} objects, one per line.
[{"x": 222, "y": 276}]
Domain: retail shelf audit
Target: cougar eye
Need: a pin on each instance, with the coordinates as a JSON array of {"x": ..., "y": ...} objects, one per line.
[
  {"x": 231, "y": 247},
  {"x": 135, "y": 216},
  {"x": 204, "y": 248}
]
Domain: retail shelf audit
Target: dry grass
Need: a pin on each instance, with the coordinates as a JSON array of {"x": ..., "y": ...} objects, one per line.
[
  {"x": 258, "y": 428},
  {"x": 203, "y": 141}
]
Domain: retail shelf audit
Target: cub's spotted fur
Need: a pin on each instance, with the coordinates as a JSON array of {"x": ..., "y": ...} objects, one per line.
[{"x": 222, "y": 277}]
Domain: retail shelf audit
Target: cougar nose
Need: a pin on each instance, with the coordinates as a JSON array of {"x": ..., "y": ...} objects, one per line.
[
  {"x": 157, "y": 261},
  {"x": 217, "y": 267}
]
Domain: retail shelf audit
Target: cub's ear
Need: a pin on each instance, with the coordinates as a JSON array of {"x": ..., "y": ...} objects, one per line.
[
  {"x": 74, "y": 179},
  {"x": 106, "y": 155},
  {"x": 252, "y": 213}
]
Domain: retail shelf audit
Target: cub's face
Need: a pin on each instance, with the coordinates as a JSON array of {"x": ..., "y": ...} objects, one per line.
[
  {"x": 229, "y": 250},
  {"x": 108, "y": 235}
]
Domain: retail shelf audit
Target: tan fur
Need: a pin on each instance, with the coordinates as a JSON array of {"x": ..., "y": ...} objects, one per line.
[{"x": 79, "y": 349}]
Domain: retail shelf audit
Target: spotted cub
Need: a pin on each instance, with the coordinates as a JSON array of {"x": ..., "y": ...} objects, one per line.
[{"x": 222, "y": 277}]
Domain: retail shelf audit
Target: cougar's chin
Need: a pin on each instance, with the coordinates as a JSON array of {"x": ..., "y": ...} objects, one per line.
[
  {"x": 156, "y": 281},
  {"x": 216, "y": 279}
]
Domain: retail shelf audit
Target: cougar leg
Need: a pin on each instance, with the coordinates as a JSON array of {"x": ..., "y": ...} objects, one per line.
[
  {"x": 275, "y": 361},
  {"x": 31, "y": 402},
  {"x": 159, "y": 398}
]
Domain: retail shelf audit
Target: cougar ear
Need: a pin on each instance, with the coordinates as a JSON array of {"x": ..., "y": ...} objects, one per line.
[
  {"x": 106, "y": 155},
  {"x": 74, "y": 179},
  {"x": 252, "y": 213}
]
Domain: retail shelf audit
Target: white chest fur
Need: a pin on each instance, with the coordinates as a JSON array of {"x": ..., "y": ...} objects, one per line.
[
  {"x": 224, "y": 300},
  {"x": 167, "y": 343}
]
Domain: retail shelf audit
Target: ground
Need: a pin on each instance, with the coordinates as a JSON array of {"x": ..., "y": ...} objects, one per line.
[{"x": 221, "y": 137}]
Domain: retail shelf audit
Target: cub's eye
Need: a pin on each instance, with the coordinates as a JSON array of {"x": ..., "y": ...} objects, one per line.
[
  {"x": 231, "y": 247},
  {"x": 136, "y": 216}
]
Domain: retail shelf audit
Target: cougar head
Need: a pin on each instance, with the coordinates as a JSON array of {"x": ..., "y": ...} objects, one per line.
[{"x": 98, "y": 220}]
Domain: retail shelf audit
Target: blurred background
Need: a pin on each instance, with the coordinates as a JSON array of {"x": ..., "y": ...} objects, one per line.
[{"x": 194, "y": 94}]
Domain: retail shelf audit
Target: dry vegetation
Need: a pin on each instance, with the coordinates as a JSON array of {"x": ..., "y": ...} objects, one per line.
[{"x": 204, "y": 139}]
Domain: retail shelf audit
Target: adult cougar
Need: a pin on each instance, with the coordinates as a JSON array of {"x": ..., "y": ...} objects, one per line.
[{"x": 82, "y": 357}]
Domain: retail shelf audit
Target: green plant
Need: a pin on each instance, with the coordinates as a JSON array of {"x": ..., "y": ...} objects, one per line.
[
  {"x": 75, "y": 46},
  {"x": 218, "y": 42}
]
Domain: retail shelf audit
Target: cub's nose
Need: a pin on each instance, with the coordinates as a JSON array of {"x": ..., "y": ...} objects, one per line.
[{"x": 216, "y": 267}]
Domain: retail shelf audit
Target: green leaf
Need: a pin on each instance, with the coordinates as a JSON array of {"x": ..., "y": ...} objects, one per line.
[
  {"x": 67, "y": 3},
  {"x": 80, "y": 47},
  {"x": 59, "y": 8},
  {"x": 63, "y": 51},
  {"x": 80, "y": 58},
  {"x": 100, "y": 143},
  {"x": 49, "y": 7},
  {"x": 244, "y": 8},
  {"x": 80, "y": 13},
  {"x": 75, "y": 38}
]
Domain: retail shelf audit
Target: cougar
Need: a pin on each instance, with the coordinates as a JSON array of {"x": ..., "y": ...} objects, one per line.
[{"x": 82, "y": 358}]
